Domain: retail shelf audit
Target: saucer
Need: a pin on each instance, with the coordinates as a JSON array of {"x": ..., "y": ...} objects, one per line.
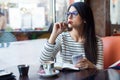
[{"x": 49, "y": 75}]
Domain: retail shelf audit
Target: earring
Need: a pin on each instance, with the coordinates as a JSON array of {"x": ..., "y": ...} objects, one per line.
[{"x": 84, "y": 21}]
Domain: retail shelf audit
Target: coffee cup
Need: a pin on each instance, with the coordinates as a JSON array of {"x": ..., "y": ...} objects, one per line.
[
  {"x": 23, "y": 69},
  {"x": 76, "y": 58},
  {"x": 48, "y": 67}
]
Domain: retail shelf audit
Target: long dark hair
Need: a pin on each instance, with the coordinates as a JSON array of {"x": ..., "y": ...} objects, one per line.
[{"x": 88, "y": 30}]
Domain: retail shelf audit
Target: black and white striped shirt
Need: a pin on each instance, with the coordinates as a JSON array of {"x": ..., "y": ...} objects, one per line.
[{"x": 68, "y": 47}]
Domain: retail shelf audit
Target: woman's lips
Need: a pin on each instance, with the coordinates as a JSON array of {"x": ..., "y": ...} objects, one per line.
[{"x": 69, "y": 22}]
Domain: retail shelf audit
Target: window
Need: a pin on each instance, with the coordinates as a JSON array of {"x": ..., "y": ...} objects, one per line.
[
  {"x": 61, "y": 8},
  {"x": 28, "y": 15},
  {"x": 114, "y": 11}
]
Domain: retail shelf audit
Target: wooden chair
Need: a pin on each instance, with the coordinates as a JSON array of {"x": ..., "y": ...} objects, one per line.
[{"x": 111, "y": 50}]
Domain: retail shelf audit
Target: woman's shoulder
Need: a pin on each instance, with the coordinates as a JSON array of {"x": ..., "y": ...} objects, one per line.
[{"x": 65, "y": 34}]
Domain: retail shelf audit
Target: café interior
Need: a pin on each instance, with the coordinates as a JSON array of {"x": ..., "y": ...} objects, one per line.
[{"x": 27, "y": 25}]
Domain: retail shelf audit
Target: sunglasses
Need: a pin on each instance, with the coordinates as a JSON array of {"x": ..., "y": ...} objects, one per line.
[{"x": 74, "y": 13}]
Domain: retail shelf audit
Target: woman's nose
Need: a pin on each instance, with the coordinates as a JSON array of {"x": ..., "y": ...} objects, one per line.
[{"x": 70, "y": 16}]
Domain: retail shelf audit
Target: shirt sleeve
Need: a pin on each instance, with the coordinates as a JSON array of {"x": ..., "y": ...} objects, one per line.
[
  {"x": 50, "y": 50},
  {"x": 99, "y": 64}
]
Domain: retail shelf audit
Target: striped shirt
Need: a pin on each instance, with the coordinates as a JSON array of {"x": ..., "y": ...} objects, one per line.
[{"x": 68, "y": 47}]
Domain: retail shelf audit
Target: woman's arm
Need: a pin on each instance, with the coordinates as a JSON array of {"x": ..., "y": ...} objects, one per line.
[
  {"x": 49, "y": 50},
  {"x": 52, "y": 46}
]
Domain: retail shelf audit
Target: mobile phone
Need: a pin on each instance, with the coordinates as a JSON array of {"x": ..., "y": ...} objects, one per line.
[{"x": 76, "y": 58}]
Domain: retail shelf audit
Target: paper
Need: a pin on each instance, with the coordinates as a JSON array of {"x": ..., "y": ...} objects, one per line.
[
  {"x": 116, "y": 65},
  {"x": 61, "y": 66}
]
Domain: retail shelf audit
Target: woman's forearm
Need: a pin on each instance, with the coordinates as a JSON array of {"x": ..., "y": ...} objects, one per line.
[{"x": 52, "y": 38}]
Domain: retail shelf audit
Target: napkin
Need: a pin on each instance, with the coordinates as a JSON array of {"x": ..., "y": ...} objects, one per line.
[
  {"x": 9, "y": 76},
  {"x": 116, "y": 66}
]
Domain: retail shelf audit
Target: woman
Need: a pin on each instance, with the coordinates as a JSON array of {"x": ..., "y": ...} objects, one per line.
[{"x": 79, "y": 39}]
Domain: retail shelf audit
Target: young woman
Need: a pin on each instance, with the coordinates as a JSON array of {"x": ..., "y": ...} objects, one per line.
[{"x": 79, "y": 39}]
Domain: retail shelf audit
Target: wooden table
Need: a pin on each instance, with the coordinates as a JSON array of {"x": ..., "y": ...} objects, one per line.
[{"x": 90, "y": 74}]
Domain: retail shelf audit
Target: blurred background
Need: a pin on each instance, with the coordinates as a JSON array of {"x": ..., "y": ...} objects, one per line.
[{"x": 32, "y": 19}]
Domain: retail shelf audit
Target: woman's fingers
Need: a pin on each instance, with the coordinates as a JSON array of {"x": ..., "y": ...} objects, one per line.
[
  {"x": 82, "y": 65},
  {"x": 86, "y": 63},
  {"x": 82, "y": 60},
  {"x": 60, "y": 25}
]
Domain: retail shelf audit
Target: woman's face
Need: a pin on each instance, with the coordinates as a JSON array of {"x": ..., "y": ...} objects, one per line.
[{"x": 74, "y": 19}]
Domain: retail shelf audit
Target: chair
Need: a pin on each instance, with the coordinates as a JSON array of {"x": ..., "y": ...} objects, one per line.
[{"x": 111, "y": 50}]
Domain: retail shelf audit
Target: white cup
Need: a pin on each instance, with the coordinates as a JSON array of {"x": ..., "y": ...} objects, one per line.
[
  {"x": 48, "y": 67},
  {"x": 76, "y": 58}
]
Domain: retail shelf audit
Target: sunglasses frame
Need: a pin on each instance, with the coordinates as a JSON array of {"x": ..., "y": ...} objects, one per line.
[{"x": 74, "y": 13}]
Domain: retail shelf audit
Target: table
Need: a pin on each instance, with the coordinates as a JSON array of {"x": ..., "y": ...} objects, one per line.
[{"x": 63, "y": 75}]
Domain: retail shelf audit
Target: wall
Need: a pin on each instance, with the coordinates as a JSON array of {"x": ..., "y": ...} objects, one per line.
[{"x": 101, "y": 11}]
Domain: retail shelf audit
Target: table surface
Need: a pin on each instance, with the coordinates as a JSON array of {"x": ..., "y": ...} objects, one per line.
[{"x": 89, "y": 74}]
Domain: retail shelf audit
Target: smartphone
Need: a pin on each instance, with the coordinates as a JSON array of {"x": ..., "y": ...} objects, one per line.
[{"x": 76, "y": 58}]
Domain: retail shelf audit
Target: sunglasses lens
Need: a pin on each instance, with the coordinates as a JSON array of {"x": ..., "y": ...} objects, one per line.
[
  {"x": 68, "y": 13},
  {"x": 74, "y": 13}
]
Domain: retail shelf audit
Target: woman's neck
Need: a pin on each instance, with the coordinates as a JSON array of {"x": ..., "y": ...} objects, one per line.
[{"x": 75, "y": 34}]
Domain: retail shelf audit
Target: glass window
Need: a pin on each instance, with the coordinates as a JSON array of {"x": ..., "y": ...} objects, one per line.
[
  {"x": 28, "y": 15},
  {"x": 61, "y": 8},
  {"x": 33, "y": 14},
  {"x": 114, "y": 11}
]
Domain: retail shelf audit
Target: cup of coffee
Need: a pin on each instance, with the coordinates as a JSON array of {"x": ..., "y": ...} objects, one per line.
[
  {"x": 23, "y": 69},
  {"x": 48, "y": 67},
  {"x": 76, "y": 58}
]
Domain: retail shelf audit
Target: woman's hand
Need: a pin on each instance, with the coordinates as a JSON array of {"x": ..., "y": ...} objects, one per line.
[
  {"x": 84, "y": 64},
  {"x": 58, "y": 28}
]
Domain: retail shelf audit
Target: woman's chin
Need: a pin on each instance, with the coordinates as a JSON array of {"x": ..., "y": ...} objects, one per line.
[{"x": 69, "y": 28}]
